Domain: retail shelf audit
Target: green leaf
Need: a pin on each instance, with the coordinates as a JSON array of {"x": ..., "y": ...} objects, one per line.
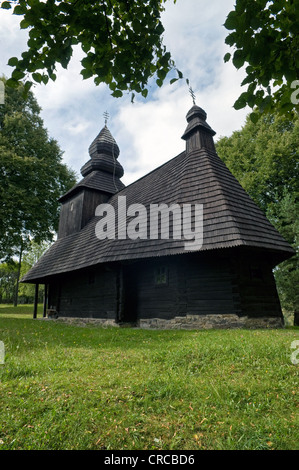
[
  {"x": 227, "y": 57},
  {"x": 162, "y": 74},
  {"x": 37, "y": 77},
  {"x": 11, "y": 82},
  {"x": 24, "y": 24},
  {"x": 19, "y": 10},
  {"x": 64, "y": 61},
  {"x": 231, "y": 20},
  {"x": 254, "y": 117},
  {"x": 230, "y": 39},
  {"x": 98, "y": 81},
  {"x": 17, "y": 74},
  {"x": 86, "y": 73},
  {"x": 27, "y": 87},
  {"x": 6, "y": 5},
  {"x": 13, "y": 61},
  {"x": 117, "y": 94},
  {"x": 238, "y": 59},
  {"x": 241, "y": 101}
]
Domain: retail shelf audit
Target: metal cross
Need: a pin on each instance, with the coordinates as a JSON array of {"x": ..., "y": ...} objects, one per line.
[
  {"x": 192, "y": 94},
  {"x": 106, "y": 117}
]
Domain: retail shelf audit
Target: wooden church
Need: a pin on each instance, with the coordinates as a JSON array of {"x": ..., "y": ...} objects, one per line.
[{"x": 226, "y": 282}]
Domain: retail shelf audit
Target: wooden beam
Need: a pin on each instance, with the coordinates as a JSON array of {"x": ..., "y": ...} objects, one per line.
[
  {"x": 35, "y": 301},
  {"x": 45, "y": 300},
  {"x": 120, "y": 294}
]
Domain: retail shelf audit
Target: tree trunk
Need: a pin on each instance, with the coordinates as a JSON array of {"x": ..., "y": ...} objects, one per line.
[
  {"x": 35, "y": 302},
  {"x": 18, "y": 278}
]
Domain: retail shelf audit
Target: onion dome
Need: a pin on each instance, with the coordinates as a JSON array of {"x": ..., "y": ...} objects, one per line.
[{"x": 103, "y": 152}]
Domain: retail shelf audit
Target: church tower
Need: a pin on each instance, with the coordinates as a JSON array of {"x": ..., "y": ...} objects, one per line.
[{"x": 101, "y": 179}]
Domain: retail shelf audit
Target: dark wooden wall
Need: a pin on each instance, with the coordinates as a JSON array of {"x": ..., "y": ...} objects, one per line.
[
  {"x": 196, "y": 285},
  {"x": 91, "y": 294},
  {"x": 70, "y": 215},
  {"x": 257, "y": 288},
  {"x": 78, "y": 210},
  {"x": 233, "y": 281},
  {"x": 219, "y": 282}
]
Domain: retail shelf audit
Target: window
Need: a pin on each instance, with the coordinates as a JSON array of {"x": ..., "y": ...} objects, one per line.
[{"x": 161, "y": 276}]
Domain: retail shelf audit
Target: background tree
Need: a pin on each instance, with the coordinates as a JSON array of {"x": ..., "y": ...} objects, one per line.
[
  {"x": 264, "y": 159},
  {"x": 8, "y": 278},
  {"x": 34, "y": 252},
  {"x": 10, "y": 271},
  {"x": 287, "y": 273},
  {"x": 32, "y": 176}
]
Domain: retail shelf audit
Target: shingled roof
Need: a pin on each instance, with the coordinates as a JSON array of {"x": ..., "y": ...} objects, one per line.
[{"x": 195, "y": 176}]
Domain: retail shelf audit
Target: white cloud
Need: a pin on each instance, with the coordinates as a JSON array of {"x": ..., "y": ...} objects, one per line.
[
  {"x": 12, "y": 38},
  {"x": 151, "y": 131},
  {"x": 76, "y": 126}
]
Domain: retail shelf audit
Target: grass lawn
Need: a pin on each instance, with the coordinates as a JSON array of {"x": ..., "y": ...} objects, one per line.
[
  {"x": 21, "y": 311},
  {"x": 72, "y": 387}
]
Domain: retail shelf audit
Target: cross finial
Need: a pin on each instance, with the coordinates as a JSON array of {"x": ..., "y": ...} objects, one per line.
[
  {"x": 106, "y": 117},
  {"x": 192, "y": 94}
]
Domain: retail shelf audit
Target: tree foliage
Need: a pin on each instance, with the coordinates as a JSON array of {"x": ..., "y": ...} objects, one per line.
[
  {"x": 264, "y": 159},
  {"x": 8, "y": 278},
  {"x": 123, "y": 45},
  {"x": 285, "y": 216},
  {"x": 32, "y": 175},
  {"x": 121, "y": 39},
  {"x": 9, "y": 273},
  {"x": 34, "y": 252},
  {"x": 266, "y": 41}
]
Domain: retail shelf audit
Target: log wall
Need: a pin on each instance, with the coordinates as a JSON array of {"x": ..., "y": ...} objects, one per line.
[{"x": 187, "y": 285}]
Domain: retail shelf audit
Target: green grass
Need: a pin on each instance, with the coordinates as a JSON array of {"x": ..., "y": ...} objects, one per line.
[
  {"x": 21, "y": 311},
  {"x": 71, "y": 387}
]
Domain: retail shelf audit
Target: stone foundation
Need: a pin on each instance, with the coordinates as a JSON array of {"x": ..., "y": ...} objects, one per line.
[
  {"x": 88, "y": 321},
  {"x": 205, "y": 322},
  {"x": 188, "y": 322}
]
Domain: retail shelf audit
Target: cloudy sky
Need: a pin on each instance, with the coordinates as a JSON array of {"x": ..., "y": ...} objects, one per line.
[{"x": 149, "y": 131}]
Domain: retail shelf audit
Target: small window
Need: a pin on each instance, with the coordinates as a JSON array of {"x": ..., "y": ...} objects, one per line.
[
  {"x": 72, "y": 207},
  {"x": 161, "y": 276}
]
